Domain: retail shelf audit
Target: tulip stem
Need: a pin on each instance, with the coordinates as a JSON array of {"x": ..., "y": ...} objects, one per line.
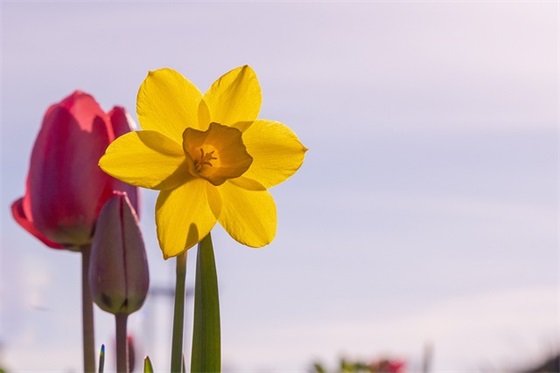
[
  {"x": 87, "y": 314},
  {"x": 122, "y": 345},
  {"x": 206, "y": 350},
  {"x": 179, "y": 315}
]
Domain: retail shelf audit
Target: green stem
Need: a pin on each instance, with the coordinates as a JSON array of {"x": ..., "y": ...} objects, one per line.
[
  {"x": 87, "y": 314},
  {"x": 206, "y": 348},
  {"x": 122, "y": 343},
  {"x": 179, "y": 315}
]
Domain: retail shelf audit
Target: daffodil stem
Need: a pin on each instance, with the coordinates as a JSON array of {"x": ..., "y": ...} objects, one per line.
[
  {"x": 206, "y": 348},
  {"x": 87, "y": 314},
  {"x": 122, "y": 345},
  {"x": 179, "y": 315}
]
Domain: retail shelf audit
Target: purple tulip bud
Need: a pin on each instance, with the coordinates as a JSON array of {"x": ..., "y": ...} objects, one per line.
[{"x": 118, "y": 271}]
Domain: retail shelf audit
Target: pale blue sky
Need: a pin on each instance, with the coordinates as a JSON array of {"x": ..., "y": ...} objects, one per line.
[{"x": 426, "y": 209}]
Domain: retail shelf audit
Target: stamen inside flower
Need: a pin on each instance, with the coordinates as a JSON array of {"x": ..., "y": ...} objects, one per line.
[
  {"x": 217, "y": 154},
  {"x": 204, "y": 160}
]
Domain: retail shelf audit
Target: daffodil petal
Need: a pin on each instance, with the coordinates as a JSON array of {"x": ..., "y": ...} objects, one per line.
[
  {"x": 183, "y": 217},
  {"x": 234, "y": 97},
  {"x": 248, "y": 216},
  {"x": 214, "y": 199},
  {"x": 146, "y": 159},
  {"x": 203, "y": 116},
  {"x": 246, "y": 183},
  {"x": 168, "y": 102},
  {"x": 276, "y": 150}
]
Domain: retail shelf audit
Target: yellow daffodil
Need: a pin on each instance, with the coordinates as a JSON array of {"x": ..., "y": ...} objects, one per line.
[{"x": 209, "y": 155}]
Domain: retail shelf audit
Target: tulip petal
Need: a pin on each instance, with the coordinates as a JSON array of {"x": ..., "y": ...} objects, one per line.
[
  {"x": 65, "y": 183},
  {"x": 136, "y": 262},
  {"x": 123, "y": 123},
  {"x": 234, "y": 97},
  {"x": 147, "y": 159},
  {"x": 276, "y": 150},
  {"x": 21, "y": 218},
  {"x": 183, "y": 217},
  {"x": 84, "y": 110},
  {"x": 168, "y": 103},
  {"x": 248, "y": 216}
]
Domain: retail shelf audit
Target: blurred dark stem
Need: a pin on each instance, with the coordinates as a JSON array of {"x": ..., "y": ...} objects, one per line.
[
  {"x": 101, "y": 367},
  {"x": 427, "y": 361},
  {"x": 87, "y": 314},
  {"x": 179, "y": 315},
  {"x": 122, "y": 345}
]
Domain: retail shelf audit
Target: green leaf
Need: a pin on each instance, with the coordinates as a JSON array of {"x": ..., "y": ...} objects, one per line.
[
  {"x": 206, "y": 350},
  {"x": 148, "y": 368},
  {"x": 102, "y": 359}
]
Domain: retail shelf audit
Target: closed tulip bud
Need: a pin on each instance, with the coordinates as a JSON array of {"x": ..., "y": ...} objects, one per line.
[
  {"x": 118, "y": 271},
  {"x": 65, "y": 188}
]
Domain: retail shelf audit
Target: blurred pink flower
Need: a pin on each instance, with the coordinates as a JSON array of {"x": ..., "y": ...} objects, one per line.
[{"x": 388, "y": 366}]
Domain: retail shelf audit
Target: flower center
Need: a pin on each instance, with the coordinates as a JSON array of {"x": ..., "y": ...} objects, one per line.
[
  {"x": 204, "y": 160},
  {"x": 217, "y": 154}
]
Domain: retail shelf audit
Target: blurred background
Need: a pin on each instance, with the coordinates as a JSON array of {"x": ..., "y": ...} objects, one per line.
[{"x": 424, "y": 217}]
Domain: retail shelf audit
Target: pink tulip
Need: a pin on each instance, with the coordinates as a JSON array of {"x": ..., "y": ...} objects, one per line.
[
  {"x": 65, "y": 188},
  {"x": 118, "y": 271}
]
